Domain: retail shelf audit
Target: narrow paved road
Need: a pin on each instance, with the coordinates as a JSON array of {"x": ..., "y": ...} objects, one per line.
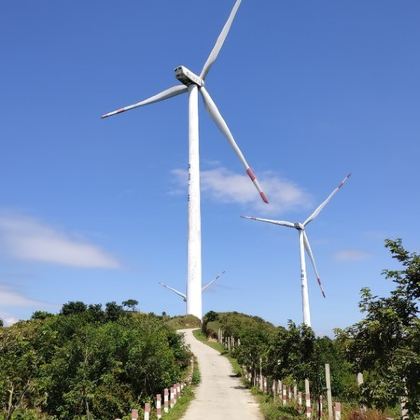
[{"x": 220, "y": 395}]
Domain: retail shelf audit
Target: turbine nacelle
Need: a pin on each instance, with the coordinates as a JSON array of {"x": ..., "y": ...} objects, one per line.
[
  {"x": 187, "y": 77},
  {"x": 299, "y": 226}
]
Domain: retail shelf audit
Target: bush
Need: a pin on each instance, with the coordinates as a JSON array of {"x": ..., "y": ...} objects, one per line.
[{"x": 76, "y": 364}]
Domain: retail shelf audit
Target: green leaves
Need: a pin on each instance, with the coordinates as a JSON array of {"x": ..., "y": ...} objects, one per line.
[
  {"x": 386, "y": 344},
  {"x": 87, "y": 362}
]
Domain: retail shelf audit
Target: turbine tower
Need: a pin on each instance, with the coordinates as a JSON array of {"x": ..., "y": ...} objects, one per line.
[
  {"x": 183, "y": 295},
  {"x": 305, "y": 246},
  {"x": 193, "y": 83}
]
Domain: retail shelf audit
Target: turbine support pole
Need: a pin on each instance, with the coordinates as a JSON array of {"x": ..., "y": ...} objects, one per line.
[
  {"x": 304, "y": 282},
  {"x": 194, "y": 303}
]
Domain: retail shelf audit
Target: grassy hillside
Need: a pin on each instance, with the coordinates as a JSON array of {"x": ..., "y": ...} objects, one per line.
[{"x": 183, "y": 321}]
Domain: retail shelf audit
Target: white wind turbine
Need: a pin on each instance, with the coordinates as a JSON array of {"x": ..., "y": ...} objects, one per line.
[
  {"x": 304, "y": 245},
  {"x": 183, "y": 295},
  {"x": 193, "y": 83}
]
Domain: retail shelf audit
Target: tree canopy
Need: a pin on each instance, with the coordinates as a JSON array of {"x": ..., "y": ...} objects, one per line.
[
  {"x": 87, "y": 362},
  {"x": 385, "y": 345}
]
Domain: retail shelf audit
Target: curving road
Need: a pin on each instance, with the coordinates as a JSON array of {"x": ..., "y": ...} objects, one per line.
[{"x": 220, "y": 395}]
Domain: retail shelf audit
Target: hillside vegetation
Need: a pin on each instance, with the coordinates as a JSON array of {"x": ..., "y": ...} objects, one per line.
[
  {"x": 87, "y": 363},
  {"x": 183, "y": 321},
  {"x": 93, "y": 363},
  {"x": 384, "y": 346}
]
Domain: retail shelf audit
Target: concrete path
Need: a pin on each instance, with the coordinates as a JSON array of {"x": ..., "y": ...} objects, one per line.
[{"x": 220, "y": 395}]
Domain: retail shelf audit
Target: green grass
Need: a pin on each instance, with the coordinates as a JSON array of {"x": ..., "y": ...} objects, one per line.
[
  {"x": 274, "y": 410},
  {"x": 181, "y": 405},
  {"x": 198, "y": 334},
  {"x": 184, "y": 321}
]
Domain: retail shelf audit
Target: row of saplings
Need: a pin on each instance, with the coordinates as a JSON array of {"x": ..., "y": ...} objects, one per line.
[
  {"x": 87, "y": 363},
  {"x": 384, "y": 347}
]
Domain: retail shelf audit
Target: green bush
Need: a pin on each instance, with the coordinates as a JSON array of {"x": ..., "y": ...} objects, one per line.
[{"x": 87, "y": 362}]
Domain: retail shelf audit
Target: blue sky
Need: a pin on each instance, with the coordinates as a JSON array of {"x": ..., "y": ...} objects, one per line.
[{"x": 95, "y": 210}]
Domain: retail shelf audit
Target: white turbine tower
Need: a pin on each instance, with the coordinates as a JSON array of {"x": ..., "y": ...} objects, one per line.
[
  {"x": 305, "y": 246},
  {"x": 193, "y": 83},
  {"x": 203, "y": 289}
]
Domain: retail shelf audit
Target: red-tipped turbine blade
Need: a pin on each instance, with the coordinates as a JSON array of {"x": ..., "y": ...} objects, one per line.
[
  {"x": 311, "y": 257},
  {"x": 161, "y": 96},
  {"x": 326, "y": 201},
  {"x": 223, "y": 127}
]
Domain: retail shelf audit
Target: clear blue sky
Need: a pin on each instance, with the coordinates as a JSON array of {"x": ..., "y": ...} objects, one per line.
[{"x": 95, "y": 210}]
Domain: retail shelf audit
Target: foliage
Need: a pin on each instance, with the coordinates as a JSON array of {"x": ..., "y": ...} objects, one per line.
[
  {"x": 87, "y": 362},
  {"x": 386, "y": 344},
  {"x": 196, "y": 376},
  {"x": 130, "y": 304},
  {"x": 41, "y": 315},
  {"x": 113, "y": 311},
  {"x": 200, "y": 336},
  {"x": 74, "y": 307},
  {"x": 285, "y": 353},
  {"x": 274, "y": 410},
  {"x": 210, "y": 316},
  {"x": 253, "y": 332}
]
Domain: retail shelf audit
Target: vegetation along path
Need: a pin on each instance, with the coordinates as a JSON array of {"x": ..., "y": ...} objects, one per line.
[{"x": 220, "y": 394}]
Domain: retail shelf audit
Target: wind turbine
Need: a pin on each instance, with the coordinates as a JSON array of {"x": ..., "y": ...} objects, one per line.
[
  {"x": 193, "y": 83},
  {"x": 183, "y": 295},
  {"x": 305, "y": 246}
]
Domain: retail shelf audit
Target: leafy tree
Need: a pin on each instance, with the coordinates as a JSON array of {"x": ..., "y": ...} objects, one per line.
[
  {"x": 74, "y": 307},
  {"x": 95, "y": 312},
  {"x": 293, "y": 353},
  {"x": 113, "y": 311},
  {"x": 211, "y": 316},
  {"x": 41, "y": 315},
  {"x": 343, "y": 380},
  {"x": 19, "y": 361},
  {"x": 386, "y": 344},
  {"x": 1, "y": 323},
  {"x": 130, "y": 304}
]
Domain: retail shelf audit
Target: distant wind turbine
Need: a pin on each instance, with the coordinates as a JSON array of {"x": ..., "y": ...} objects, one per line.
[
  {"x": 183, "y": 295},
  {"x": 305, "y": 246},
  {"x": 193, "y": 83}
]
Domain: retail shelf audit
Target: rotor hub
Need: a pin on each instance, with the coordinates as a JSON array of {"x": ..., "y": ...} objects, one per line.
[{"x": 299, "y": 226}]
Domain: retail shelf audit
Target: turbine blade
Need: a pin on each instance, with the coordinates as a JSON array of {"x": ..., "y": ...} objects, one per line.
[
  {"x": 220, "y": 41},
  {"x": 183, "y": 295},
  {"x": 206, "y": 286},
  {"x": 324, "y": 203},
  {"x": 161, "y": 96},
  {"x": 311, "y": 256},
  {"x": 274, "y": 222},
  {"x": 220, "y": 122}
]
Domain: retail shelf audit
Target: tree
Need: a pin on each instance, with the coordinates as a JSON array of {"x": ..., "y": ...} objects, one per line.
[
  {"x": 1, "y": 323},
  {"x": 75, "y": 307},
  {"x": 131, "y": 304},
  {"x": 113, "y": 311},
  {"x": 96, "y": 313},
  {"x": 41, "y": 315},
  {"x": 19, "y": 361},
  {"x": 386, "y": 344}
]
